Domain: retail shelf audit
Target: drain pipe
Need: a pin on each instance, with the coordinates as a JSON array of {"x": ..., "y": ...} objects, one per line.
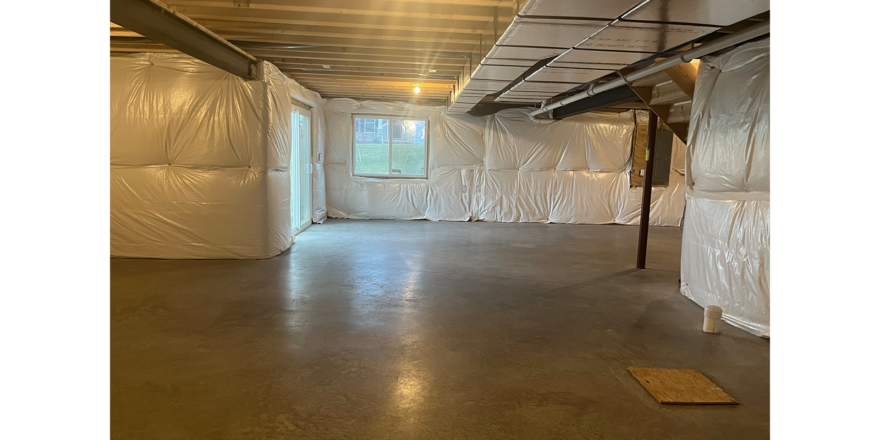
[
  {"x": 541, "y": 120},
  {"x": 726, "y": 41}
]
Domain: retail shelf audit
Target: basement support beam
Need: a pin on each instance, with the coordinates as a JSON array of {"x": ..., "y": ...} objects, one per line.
[
  {"x": 155, "y": 21},
  {"x": 646, "y": 191},
  {"x": 598, "y": 102}
]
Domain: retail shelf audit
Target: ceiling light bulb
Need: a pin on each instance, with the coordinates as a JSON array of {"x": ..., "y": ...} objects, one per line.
[{"x": 417, "y": 89}]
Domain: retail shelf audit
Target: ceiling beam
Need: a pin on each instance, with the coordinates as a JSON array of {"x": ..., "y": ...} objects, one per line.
[
  {"x": 325, "y": 52},
  {"x": 221, "y": 27},
  {"x": 401, "y": 44},
  {"x": 319, "y": 62},
  {"x": 317, "y": 68},
  {"x": 598, "y": 102},
  {"x": 153, "y": 20},
  {"x": 353, "y": 21},
  {"x": 684, "y": 75},
  {"x": 403, "y": 9},
  {"x": 372, "y": 86},
  {"x": 363, "y": 54},
  {"x": 366, "y": 77}
]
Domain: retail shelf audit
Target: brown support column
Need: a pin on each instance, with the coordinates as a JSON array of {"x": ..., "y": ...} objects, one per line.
[{"x": 646, "y": 190}]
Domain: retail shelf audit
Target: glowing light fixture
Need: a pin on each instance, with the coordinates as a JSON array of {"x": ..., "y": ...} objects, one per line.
[{"x": 417, "y": 89}]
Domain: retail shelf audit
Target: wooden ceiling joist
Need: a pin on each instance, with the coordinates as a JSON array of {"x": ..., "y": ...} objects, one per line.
[
  {"x": 363, "y": 54},
  {"x": 352, "y": 21},
  {"x": 366, "y": 77},
  {"x": 377, "y": 8},
  {"x": 319, "y": 62},
  {"x": 462, "y": 48},
  {"x": 317, "y": 68},
  {"x": 337, "y": 31},
  {"x": 373, "y": 49}
]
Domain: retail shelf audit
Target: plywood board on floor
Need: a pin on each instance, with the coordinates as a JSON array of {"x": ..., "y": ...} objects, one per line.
[{"x": 683, "y": 387}]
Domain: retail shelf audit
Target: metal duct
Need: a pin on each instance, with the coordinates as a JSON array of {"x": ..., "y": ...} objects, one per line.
[{"x": 755, "y": 31}]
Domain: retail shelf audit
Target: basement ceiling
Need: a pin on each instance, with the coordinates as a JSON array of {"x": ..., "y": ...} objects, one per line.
[
  {"x": 510, "y": 50},
  {"x": 365, "y": 49}
]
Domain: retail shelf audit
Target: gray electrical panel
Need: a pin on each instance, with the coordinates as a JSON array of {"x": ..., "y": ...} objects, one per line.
[{"x": 662, "y": 157}]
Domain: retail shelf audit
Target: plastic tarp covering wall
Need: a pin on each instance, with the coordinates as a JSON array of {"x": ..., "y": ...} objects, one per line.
[
  {"x": 200, "y": 160},
  {"x": 502, "y": 167},
  {"x": 725, "y": 256}
]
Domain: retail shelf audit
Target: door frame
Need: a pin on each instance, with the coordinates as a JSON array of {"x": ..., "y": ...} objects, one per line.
[{"x": 300, "y": 108}]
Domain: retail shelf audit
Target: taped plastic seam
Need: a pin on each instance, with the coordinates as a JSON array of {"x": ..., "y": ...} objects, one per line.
[
  {"x": 199, "y": 160},
  {"x": 501, "y": 168},
  {"x": 725, "y": 258}
]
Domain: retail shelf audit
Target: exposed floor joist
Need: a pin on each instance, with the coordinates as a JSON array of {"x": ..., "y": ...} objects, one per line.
[
  {"x": 446, "y": 10},
  {"x": 381, "y": 47}
]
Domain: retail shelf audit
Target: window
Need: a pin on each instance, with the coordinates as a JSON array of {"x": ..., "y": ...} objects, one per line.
[
  {"x": 390, "y": 147},
  {"x": 366, "y": 126}
]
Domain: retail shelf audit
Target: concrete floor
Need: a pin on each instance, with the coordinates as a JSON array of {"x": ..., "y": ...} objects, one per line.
[{"x": 424, "y": 330}]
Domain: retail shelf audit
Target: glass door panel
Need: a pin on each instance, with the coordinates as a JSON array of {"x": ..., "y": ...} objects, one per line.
[{"x": 305, "y": 171}]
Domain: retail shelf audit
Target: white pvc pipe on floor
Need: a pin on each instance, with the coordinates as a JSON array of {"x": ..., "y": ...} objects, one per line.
[{"x": 726, "y": 41}]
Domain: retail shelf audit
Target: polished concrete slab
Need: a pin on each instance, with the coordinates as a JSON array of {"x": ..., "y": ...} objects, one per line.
[{"x": 424, "y": 330}]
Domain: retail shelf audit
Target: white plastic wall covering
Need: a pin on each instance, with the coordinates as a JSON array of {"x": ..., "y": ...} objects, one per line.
[
  {"x": 709, "y": 12},
  {"x": 533, "y": 86},
  {"x": 607, "y": 9},
  {"x": 539, "y": 32},
  {"x": 644, "y": 37},
  {"x": 725, "y": 258},
  {"x": 601, "y": 56},
  {"x": 199, "y": 159},
  {"x": 506, "y": 73},
  {"x": 502, "y": 167},
  {"x": 524, "y": 53},
  {"x": 562, "y": 74}
]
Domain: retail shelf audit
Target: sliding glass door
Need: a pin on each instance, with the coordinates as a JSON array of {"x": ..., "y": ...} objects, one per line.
[{"x": 300, "y": 170}]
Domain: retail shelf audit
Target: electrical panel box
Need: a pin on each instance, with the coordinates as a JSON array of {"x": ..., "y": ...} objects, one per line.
[{"x": 662, "y": 157}]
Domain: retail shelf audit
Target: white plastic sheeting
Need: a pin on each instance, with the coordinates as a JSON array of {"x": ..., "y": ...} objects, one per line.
[
  {"x": 725, "y": 257},
  {"x": 200, "y": 159},
  {"x": 502, "y": 168}
]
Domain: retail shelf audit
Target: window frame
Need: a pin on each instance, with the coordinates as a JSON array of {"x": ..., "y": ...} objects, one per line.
[{"x": 391, "y": 118}]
